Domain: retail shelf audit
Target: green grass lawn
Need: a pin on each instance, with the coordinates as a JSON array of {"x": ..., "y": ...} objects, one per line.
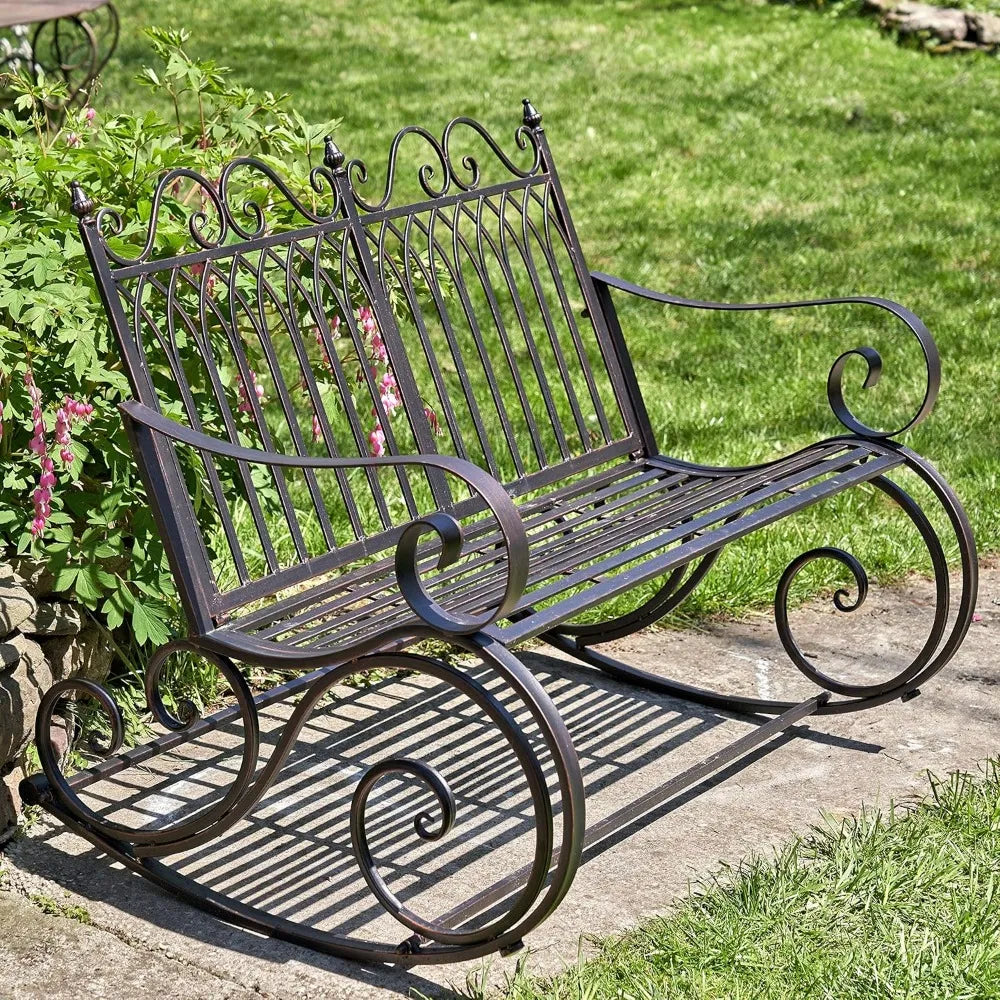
[
  {"x": 884, "y": 907},
  {"x": 728, "y": 150}
]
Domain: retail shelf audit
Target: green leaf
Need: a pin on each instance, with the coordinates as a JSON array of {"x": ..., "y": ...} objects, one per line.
[
  {"x": 88, "y": 587},
  {"x": 65, "y": 578},
  {"x": 114, "y": 609},
  {"x": 81, "y": 356},
  {"x": 147, "y": 625}
]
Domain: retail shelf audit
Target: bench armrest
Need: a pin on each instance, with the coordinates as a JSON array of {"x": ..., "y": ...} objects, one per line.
[
  {"x": 448, "y": 529},
  {"x": 834, "y": 389}
]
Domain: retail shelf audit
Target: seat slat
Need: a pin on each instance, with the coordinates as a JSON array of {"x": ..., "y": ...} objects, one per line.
[
  {"x": 304, "y": 598},
  {"x": 485, "y": 538},
  {"x": 556, "y": 573},
  {"x": 550, "y": 617},
  {"x": 619, "y": 517},
  {"x": 369, "y": 583},
  {"x": 481, "y": 568}
]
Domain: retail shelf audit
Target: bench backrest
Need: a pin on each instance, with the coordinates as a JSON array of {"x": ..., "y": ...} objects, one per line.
[{"x": 463, "y": 321}]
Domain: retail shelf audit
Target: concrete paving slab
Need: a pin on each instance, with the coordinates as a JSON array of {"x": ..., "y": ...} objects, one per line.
[
  {"x": 293, "y": 853},
  {"x": 60, "y": 954}
]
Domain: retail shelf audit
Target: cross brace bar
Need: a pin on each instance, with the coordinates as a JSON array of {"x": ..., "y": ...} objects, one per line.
[{"x": 645, "y": 804}]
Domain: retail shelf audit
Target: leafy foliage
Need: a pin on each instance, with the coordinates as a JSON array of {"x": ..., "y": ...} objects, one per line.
[{"x": 99, "y": 541}]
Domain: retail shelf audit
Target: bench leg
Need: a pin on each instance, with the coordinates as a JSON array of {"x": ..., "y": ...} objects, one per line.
[
  {"x": 454, "y": 936},
  {"x": 950, "y": 623}
]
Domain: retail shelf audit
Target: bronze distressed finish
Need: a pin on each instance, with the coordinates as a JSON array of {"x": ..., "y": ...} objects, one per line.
[{"x": 516, "y": 482}]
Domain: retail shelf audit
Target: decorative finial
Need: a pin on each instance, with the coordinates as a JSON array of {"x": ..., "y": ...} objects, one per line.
[
  {"x": 532, "y": 117},
  {"x": 332, "y": 156},
  {"x": 80, "y": 205}
]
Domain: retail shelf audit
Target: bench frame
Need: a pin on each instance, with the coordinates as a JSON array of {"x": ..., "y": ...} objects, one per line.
[{"x": 525, "y": 897}]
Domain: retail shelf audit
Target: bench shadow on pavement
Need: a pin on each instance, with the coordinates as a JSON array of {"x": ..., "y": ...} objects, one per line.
[{"x": 293, "y": 854}]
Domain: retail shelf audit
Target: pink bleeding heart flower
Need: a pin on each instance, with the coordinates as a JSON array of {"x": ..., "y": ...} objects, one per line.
[
  {"x": 70, "y": 411},
  {"x": 42, "y": 501},
  {"x": 367, "y": 319},
  {"x": 376, "y": 440},
  {"x": 63, "y": 418},
  {"x": 388, "y": 394},
  {"x": 37, "y": 445},
  {"x": 258, "y": 387},
  {"x": 432, "y": 419},
  {"x": 379, "y": 353}
]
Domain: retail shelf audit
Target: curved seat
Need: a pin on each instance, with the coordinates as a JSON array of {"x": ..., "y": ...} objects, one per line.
[{"x": 589, "y": 540}]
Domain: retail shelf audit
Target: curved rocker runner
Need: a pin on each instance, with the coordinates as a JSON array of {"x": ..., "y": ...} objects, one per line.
[{"x": 365, "y": 422}]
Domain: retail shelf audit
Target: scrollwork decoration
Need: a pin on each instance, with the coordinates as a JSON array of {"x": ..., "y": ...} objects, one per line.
[
  {"x": 524, "y": 137},
  {"x": 176, "y": 836},
  {"x": 468, "y": 178},
  {"x": 843, "y": 602},
  {"x": 320, "y": 179},
  {"x": 539, "y": 889},
  {"x": 835, "y": 391},
  {"x": 449, "y": 531},
  {"x": 834, "y": 385},
  {"x": 222, "y": 213},
  {"x": 357, "y": 172},
  {"x": 522, "y": 901}
]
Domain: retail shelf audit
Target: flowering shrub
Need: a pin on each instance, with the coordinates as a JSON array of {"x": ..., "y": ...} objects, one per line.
[
  {"x": 70, "y": 500},
  {"x": 65, "y": 415},
  {"x": 377, "y": 359},
  {"x": 71, "y": 504}
]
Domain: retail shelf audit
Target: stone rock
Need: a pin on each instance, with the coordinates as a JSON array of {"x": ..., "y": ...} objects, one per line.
[
  {"x": 60, "y": 737},
  {"x": 86, "y": 655},
  {"x": 16, "y": 604},
  {"x": 53, "y": 618},
  {"x": 910, "y": 17},
  {"x": 33, "y": 575},
  {"x": 29, "y": 666},
  {"x": 10, "y": 804},
  {"x": 21, "y": 689},
  {"x": 983, "y": 28},
  {"x": 10, "y": 654}
]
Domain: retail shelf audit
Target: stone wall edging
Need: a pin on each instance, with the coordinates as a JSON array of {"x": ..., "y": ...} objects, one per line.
[
  {"x": 42, "y": 640},
  {"x": 951, "y": 28}
]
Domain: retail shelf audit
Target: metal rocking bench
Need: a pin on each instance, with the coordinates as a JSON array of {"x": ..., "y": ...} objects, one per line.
[{"x": 381, "y": 427}]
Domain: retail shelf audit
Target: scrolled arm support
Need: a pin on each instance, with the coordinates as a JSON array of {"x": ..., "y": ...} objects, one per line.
[
  {"x": 834, "y": 387},
  {"x": 449, "y": 531},
  {"x": 175, "y": 835}
]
